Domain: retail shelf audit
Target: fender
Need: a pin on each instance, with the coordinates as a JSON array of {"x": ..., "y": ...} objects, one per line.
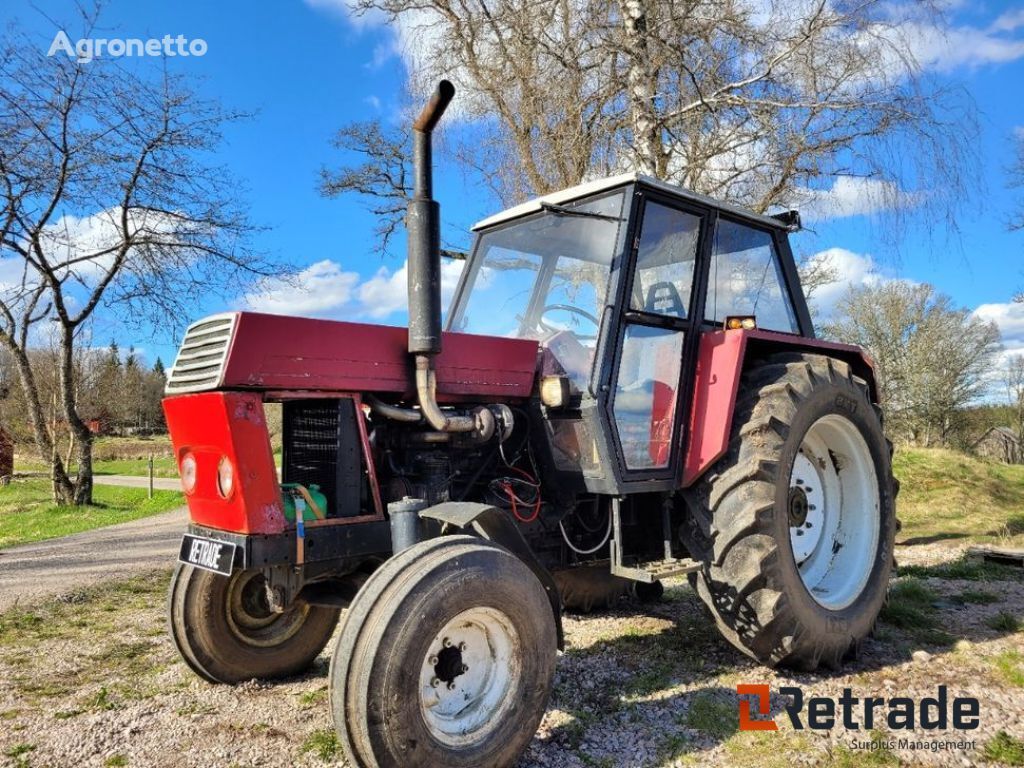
[
  {"x": 721, "y": 358},
  {"x": 494, "y": 525}
]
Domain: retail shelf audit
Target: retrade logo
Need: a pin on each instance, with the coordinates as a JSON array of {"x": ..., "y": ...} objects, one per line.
[
  {"x": 930, "y": 713},
  {"x": 761, "y": 693}
]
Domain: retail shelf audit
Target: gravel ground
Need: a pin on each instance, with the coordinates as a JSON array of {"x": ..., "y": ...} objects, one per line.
[{"x": 91, "y": 679}]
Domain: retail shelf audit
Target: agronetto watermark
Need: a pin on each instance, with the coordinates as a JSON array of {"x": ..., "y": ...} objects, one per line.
[{"x": 86, "y": 49}]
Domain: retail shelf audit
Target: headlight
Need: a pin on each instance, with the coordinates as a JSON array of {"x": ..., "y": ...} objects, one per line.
[
  {"x": 188, "y": 472},
  {"x": 225, "y": 477}
]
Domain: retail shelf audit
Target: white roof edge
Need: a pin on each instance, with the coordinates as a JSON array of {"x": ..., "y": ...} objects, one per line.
[{"x": 600, "y": 185}]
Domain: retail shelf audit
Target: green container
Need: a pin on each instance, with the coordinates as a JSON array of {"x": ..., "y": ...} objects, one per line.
[{"x": 293, "y": 500}]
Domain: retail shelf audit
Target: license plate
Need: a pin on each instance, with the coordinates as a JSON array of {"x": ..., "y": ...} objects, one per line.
[{"x": 208, "y": 554}]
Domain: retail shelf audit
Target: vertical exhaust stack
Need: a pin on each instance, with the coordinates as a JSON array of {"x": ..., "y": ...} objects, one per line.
[{"x": 424, "y": 268}]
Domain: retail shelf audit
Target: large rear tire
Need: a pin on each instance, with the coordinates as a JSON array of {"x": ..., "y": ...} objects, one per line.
[
  {"x": 226, "y": 632},
  {"x": 796, "y": 523},
  {"x": 446, "y": 657}
]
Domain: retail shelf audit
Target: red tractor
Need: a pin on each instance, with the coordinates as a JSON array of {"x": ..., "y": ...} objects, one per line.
[{"x": 629, "y": 388}]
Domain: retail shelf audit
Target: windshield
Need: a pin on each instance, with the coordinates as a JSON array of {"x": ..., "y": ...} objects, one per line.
[{"x": 545, "y": 278}]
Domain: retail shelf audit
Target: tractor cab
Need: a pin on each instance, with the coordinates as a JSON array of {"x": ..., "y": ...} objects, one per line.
[{"x": 617, "y": 279}]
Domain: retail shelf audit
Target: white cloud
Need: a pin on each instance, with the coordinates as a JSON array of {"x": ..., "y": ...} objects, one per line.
[
  {"x": 964, "y": 46},
  {"x": 325, "y": 289},
  {"x": 319, "y": 289},
  {"x": 1009, "y": 317},
  {"x": 1010, "y": 21},
  {"x": 853, "y": 270},
  {"x": 850, "y": 196}
]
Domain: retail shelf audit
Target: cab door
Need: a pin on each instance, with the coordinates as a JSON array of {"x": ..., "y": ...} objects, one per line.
[{"x": 646, "y": 400}]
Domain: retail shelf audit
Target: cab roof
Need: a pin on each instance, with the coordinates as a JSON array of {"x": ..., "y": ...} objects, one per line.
[{"x": 611, "y": 182}]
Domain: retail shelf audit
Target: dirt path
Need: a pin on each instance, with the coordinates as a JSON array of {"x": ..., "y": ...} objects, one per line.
[
  {"x": 59, "y": 566},
  {"x": 135, "y": 481}
]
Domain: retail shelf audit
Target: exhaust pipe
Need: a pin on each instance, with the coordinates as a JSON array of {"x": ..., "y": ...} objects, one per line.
[{"x": 424, "y": 268}]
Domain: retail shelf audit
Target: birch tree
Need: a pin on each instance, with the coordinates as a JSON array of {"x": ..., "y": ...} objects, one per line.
[{"x": 760, "y": 103}]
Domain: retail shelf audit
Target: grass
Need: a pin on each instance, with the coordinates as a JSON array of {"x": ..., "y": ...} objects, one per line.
[
  {"x": 28, "y": 514},
  {"x": 975, "y": 597},
  {"x": 911, "y": 608},
  {"x": 1010, "y": 667},
  {"x": 1004, "y": 748},
  {"x": 323, "y": 743},
  {"x": 714, "y": 716},
  {"x": 1004, "y": 622},
  {"x": 950, "y": 496}
]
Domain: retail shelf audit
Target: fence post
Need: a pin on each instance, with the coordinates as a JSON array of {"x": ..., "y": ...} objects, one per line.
[{"x": 151, "y": 475}]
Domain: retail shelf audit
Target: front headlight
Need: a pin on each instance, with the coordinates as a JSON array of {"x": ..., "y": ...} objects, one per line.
[
  {"x": 188, "y": 468},
  {"x": 225, "y": 477}
]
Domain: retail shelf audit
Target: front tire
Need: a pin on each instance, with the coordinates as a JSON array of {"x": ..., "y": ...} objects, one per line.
[
  {"x": 446, "y": 657},
  {"x": 796, "y": 524},
  {"x": 226, "y": 632}
]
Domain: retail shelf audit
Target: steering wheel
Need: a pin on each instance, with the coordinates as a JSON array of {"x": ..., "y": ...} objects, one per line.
[{"x": 566, "y": 308}]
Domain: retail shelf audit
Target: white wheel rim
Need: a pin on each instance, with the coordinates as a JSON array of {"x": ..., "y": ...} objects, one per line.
[
  {"x": 471, "y": 667},
  {"x": 834, "y": 512}
]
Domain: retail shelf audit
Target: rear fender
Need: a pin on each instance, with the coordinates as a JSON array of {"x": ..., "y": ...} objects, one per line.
[{"x": 721, "y": 358}]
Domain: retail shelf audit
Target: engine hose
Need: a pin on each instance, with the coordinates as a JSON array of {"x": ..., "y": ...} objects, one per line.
[
  {"x": 607, "y": 535},
  {"x": 317, "y": 512}
]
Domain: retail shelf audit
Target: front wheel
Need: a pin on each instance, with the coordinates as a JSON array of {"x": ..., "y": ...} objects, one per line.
[
  {"x": 446, "y": 658},
  {"x": 797, "y": 522},
  {"x": 226, "y": 632}
]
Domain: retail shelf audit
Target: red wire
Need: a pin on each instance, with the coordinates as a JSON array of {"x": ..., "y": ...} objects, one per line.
[{"x": 512, "y": 497}]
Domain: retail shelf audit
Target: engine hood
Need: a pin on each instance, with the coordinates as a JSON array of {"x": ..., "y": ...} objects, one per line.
[{"x": 251, "y": 350}]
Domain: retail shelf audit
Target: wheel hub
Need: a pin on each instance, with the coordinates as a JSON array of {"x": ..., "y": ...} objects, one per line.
[
  {"x": 806, "y": 507},
  {"x": 465, "y": 679}
]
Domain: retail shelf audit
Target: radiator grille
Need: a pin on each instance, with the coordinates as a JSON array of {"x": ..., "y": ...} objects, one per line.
[
  {"x": 321, "y": 447},
  {"x": 203, "y": 352}
]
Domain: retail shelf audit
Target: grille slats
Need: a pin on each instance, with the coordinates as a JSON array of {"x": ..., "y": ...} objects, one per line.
[{"x": 201, "y": 357}]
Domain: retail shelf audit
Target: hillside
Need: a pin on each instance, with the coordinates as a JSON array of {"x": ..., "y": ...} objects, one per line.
[{"x": 948, "y": 496}]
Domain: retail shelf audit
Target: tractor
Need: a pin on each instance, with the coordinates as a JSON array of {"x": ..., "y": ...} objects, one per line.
[{"x": 627, "y": 388}]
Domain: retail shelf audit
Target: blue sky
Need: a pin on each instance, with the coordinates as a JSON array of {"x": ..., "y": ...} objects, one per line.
[{"x": 305, "y": 68}]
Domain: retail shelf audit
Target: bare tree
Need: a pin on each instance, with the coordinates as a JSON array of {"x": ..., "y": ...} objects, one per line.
[
  {"x": 107, "y": 203},
  {"x": 933, "y": 359},
  {"x": 1017, "y": 181},
  {"x": 1013, "y": 377},
  {"x": 757, "y": 103}
]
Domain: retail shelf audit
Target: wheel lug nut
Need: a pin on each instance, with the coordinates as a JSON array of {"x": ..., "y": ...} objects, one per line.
[
  {"x": 462, "y": 646},
  {"x": 434, "y": 682},
  {"x": 446, "y": 643},
  {"x": 465, "y": 669},
  {"x": 451, "y": 686}
]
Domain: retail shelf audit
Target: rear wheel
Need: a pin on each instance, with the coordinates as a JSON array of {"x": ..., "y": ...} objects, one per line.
[
  {"x": 446, "y": 658},
  {"x": 797, "y": 522},
  {"x": 226, "y": 632}
]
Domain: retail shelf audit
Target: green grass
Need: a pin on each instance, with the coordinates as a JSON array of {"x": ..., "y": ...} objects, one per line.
[
  {"x": 1004, "y": 748},
  {"x": 911, "y": 608},
  {"x": 714, "y": 716},
  {"x": 1004, "y": 622},
  {"x": 28, "y": 514},
  {"x": 1010, "y": 667},
  {"x": 951, "y": 496},
  {"x": 976, "y": 597},
  {"x": 323, "y": 743}
]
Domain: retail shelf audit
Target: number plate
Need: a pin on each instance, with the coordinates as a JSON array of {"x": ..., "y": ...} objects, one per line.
[{"x": 208, "y": 554}]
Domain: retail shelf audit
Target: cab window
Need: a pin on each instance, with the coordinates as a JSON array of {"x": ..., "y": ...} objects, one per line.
[{"x": 745, "y": 278}]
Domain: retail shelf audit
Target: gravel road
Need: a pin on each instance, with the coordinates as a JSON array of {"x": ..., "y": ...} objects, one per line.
[
  {"x": 59, "y": 566},
  {"x": 134, "y": 481},
  {"x": 92, "y": 680}
]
